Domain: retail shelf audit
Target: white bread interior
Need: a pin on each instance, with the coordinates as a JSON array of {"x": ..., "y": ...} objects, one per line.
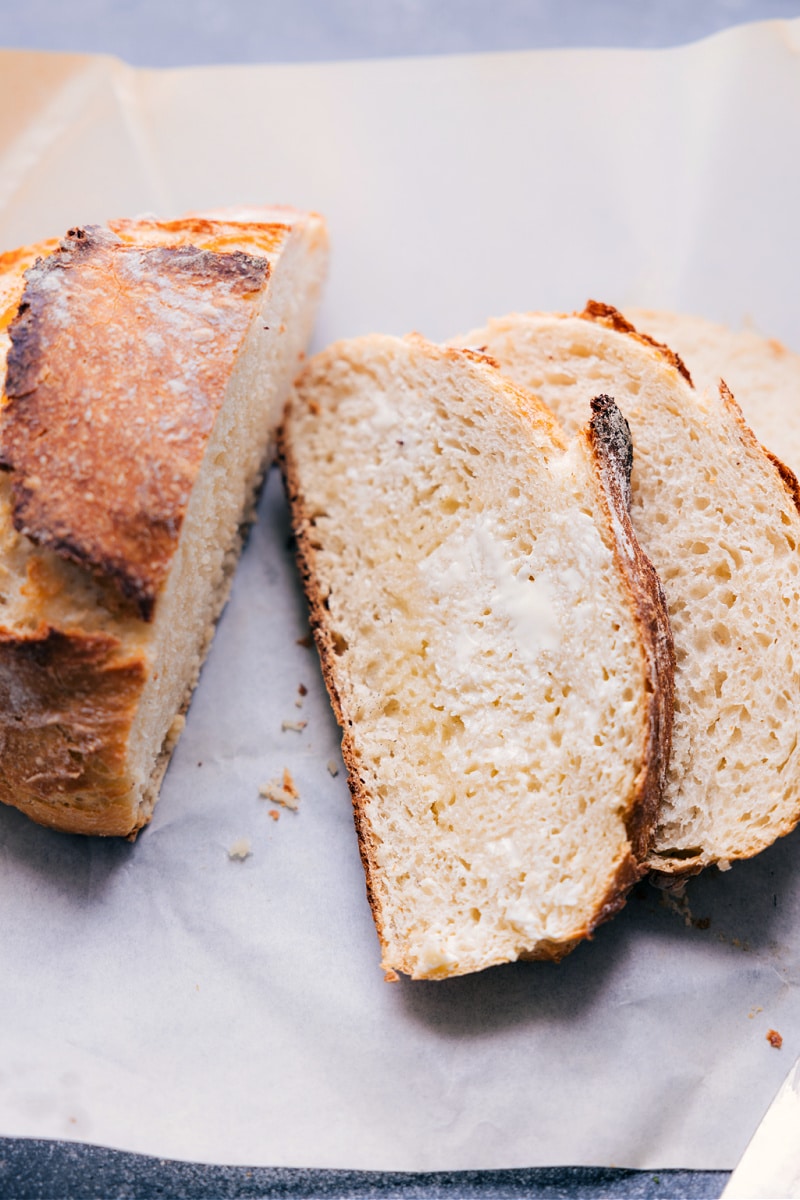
[
  {"x": 481, "y": 648},
  {"x": 720, "y": 522},
  {"x": 762, "y": 373}
]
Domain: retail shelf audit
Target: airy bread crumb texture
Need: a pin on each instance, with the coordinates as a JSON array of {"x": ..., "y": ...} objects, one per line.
[
  {"x": 480, "y": 649},
  {"x": 721, "y": 525}
]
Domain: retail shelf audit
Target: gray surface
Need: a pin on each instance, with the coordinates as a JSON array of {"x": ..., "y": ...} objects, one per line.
[
  {"x": 31, "y": 1170},
  {"x": 185, "y": 32}
]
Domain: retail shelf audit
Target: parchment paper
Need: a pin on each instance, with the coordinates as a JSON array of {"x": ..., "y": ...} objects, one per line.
[{"x": 164, "y": 998}]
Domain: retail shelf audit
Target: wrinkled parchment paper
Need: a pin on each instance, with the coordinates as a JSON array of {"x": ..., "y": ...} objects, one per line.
[{"x": 163, "y": 997}]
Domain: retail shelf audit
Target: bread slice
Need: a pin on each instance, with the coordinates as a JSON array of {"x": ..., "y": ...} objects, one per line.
[
  {"x": 763, "y": 374},
  {"x": 148, "y": 364},
  {"x": 719, "y": 519},
  {"x": 495, "y": 646}
]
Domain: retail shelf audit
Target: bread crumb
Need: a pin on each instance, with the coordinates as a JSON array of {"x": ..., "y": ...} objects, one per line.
[
  {"x": 174, "y": 732},
  {"x": 333, "y": 767},
  {"x": 391, "y": 976},
  {"x": 302, "y": 689},
  {"x": 294, "y": 726},
  {"x": 756, "y": 1009},
  {"x": 304, "y": 641},
  {"x": 276, "y": 816},
  {"x": 774, "y": 1038},
  {"x": 240, "y": 850},
  {"x": 283, "y": 792}
]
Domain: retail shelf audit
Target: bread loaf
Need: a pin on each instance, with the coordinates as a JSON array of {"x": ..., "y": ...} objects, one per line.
[
  {"x": 494, "y": 643},
  {"x": 719, "y": 519},
  {"x": 148, "y": 364}
]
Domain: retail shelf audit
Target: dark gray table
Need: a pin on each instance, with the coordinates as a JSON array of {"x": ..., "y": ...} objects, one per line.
[{"x": 193, "y": 32}]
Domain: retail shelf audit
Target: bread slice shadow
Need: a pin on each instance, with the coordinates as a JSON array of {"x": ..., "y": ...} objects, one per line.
[{"x": 67, "y": 864}]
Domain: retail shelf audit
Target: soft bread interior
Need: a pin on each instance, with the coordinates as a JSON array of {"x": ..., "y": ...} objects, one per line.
[
  {"x": 722, "y": 530},
  {"x": 763, "y": 374},
  {"x": 479, "y": 640}
]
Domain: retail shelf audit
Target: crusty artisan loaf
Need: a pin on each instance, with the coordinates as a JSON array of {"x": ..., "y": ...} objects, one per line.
[
  {"x": 495, "y": 645},
  {"x": 763, "y": 375},
  {"x": 719, "y": 519},
  {"x": 148, "y": 364}
]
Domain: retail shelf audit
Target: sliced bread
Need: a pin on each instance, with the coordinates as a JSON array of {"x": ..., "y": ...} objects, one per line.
[
  {"x": 762, "y": 373},
  {"x": 148, "y": 364},
  {"x": 719, "y": 520},
  {"x": 494, "y": 643}
]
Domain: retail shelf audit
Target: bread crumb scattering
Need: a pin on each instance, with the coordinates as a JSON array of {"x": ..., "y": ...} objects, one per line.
[
  {"x": 283, "y": 792},
  {"x": 293, "y": 726},
  {"x": 333, "y": 767},
  {"x": 774, "y": 1038},
  {"x": 240, "y": 850},
  {"x": 755, "y": 1009}
]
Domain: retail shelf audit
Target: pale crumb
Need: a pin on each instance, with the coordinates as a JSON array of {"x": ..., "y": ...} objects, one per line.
[
  {"x": 754, "y": 1011},
  {"x": 240, "y": 850},
  {"x": 391, "y": 976},
  {"x": 294, "y": 726},
  {"x": 333, "y": 767},
  {"x": 723, "y": 865},
  {"x": 174, "y": 732},
  {"x": 298, "y": 702},
  {"x": 283, "y": 792}
]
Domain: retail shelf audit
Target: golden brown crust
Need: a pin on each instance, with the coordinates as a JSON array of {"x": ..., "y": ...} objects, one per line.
[
  {"x": 218, "y": 235},
  {"x": 610, "y": 442},
  {"x": 13, "y": 264},
  {"x": 110, "y": 405},
  {"x": 612, "y": 318},
  {"x": 67, "y": 701}
]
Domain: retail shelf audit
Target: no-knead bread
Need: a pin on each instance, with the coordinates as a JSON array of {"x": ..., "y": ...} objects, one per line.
[
  {"x": 719, "y": 519},
  {"x": 494, "y": 643},
  {"x": 147, "y": 367}
]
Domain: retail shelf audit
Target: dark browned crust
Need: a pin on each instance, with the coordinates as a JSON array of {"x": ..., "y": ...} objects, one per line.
[
  {"x": 609, "y": 439},
  {"x": 612, "y": 318},
  {"x": 110, "y": 405},
  {"x": 67, "y": 702}
]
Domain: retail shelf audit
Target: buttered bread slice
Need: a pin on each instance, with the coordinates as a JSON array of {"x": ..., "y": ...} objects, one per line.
[
  {"x": 494, "y": 643},
  {"x": 147, "y": 367},
  {"x": 719, "y": 519}
]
